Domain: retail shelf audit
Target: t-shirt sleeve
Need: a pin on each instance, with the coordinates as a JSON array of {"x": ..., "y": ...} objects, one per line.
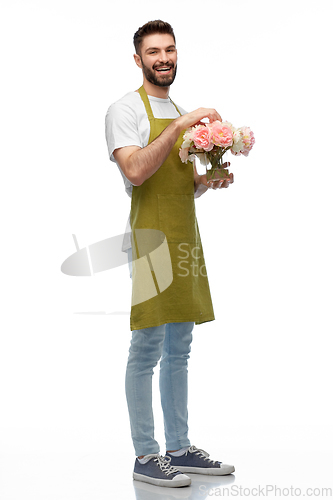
[{"x": 121, "y": 128}]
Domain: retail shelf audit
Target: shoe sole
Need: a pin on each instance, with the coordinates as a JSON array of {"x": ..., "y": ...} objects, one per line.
[
  {"x": 170, "y": 483},
  {"x": 207, "y": 470}
]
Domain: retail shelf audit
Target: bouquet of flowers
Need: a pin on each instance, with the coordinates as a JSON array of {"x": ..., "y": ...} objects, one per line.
[{"x": 210, "y": 141}]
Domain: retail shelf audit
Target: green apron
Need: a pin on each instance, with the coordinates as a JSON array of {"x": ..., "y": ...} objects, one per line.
[{"x": 165, "y": 202}]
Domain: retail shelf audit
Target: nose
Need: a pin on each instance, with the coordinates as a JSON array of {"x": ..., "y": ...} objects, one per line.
[{"x": 164, "y": 57}]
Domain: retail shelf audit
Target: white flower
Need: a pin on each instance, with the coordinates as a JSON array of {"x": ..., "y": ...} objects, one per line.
[
  {"x": 187, "y": 143},
  {"x": 183, "y": 154},
  {"x": 187, "y": 139},
  {"x": 238, "y": 141}
]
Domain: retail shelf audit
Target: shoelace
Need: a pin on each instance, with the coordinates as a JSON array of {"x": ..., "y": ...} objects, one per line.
[
  {"x": 202, "y": 453},
  {"x": 164, "y": 464}
]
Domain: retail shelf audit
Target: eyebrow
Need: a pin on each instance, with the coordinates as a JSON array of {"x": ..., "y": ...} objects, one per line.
[{"x": 158, "y": 48}]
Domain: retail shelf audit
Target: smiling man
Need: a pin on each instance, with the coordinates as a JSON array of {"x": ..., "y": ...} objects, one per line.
[{"x": 144, "y": 132}]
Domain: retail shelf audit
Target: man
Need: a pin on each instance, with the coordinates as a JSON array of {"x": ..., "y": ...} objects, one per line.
[{"x": 144, "y": 131}]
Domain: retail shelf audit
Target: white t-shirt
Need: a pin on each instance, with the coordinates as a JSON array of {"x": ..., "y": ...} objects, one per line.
[{"x": 127, "y": 124}]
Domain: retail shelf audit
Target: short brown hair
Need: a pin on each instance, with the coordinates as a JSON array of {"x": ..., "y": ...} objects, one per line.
[{"x": 151, "y": 28}]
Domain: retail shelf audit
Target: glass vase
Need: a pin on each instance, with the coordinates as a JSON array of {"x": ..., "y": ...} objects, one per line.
[{"x": 215, "y": 170}]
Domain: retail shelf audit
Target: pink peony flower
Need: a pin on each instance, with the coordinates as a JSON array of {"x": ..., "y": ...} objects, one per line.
[
  {"x": 201, "y": 137},
  {"x": 221, "y": 134}
]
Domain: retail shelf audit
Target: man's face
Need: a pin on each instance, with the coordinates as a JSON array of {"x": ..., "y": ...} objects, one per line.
[{"x": 158, "y": 59}]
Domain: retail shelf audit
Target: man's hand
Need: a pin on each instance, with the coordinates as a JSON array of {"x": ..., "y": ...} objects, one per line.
[{"x": 195, "y": 117}]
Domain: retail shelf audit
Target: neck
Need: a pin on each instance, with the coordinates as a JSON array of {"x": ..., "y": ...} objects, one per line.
[{"x": 155, "y": 90}]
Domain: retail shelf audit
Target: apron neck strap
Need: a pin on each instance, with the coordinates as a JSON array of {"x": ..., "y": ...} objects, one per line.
[
  {"x": 144, "y": 97},
  {"x": 175, "y": 106}
]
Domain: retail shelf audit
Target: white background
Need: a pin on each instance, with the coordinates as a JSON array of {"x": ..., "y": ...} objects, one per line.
[{"x": 261, "y": 374}]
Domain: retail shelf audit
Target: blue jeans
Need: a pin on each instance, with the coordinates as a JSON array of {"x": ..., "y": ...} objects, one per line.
[{"x": 171, "y": 343}]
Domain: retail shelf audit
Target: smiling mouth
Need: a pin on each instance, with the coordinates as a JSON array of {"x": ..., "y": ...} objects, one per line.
[{"x": 163, "y": 69}]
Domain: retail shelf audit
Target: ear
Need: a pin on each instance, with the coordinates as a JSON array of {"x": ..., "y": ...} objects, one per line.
[{"x": 137, "y": 60}]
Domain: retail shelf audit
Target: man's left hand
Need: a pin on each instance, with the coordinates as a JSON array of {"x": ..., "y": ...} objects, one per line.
[
  {"x": 217, "y": 184},
  {"x": 201, "y": 185}
]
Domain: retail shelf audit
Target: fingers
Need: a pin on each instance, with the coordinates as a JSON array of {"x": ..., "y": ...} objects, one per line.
[
  {"x": 214, "y": 116},
  {"x": 221, "y": 184},
  {"x": 195, "y": 117},
  {"x": 211, "y": 114}
]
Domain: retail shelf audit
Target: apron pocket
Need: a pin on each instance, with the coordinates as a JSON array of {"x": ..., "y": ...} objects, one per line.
[{"x": 176, "y": 214}]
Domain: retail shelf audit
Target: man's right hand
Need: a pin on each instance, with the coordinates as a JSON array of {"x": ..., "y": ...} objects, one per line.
[{"x": 190, "y": 119}]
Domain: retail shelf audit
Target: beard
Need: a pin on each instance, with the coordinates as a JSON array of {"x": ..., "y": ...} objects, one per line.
[{"x": 160, "y": 80}]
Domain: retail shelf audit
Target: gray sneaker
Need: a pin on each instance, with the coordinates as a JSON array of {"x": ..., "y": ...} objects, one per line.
[
  {"x": 197, "y": 461},
  {"x": 159, "y": 472}
]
